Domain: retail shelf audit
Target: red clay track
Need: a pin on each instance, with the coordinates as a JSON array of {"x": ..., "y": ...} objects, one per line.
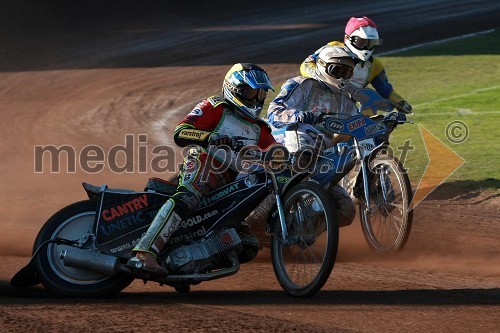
[{"x": 78, "y": 84}]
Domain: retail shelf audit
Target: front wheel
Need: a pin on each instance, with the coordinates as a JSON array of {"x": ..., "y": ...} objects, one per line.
[
  {"x": 72, "y": 223},
  {"x": 386, "y": 220},
  {"x": 303, "y": 265}
]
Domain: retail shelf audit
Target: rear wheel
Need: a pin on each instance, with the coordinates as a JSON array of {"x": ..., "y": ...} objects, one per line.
[
  {"x": 73, "y": 223},
  {"x": 304, "y": 265},
  {"x": 386, "y": 220}
]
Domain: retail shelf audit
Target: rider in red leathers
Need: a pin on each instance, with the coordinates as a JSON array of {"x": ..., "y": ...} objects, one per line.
[{"x": 213, "y": 122}]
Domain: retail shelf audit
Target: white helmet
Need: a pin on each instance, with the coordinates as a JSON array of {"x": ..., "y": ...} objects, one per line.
[
  {"x": 361, "y": 37},
  {"x": 334, "y": 66}
]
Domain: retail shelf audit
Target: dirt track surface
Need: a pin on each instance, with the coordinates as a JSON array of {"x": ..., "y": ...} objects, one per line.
[{"x": 65, "y": 81}]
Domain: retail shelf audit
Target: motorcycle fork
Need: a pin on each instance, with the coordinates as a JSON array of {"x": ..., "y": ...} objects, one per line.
[
  {"x": 279, "y": 204},
  {"x": 285, "y": 239},
  {"x": 364, "y": 173}
]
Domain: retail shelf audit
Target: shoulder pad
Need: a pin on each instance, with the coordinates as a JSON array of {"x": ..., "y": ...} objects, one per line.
[
  {"x": 335, "y": 43},
  {"x": 288, "y": 87},
  {"x": 216, "y": 100},
  {"x": 300, "y": 79}
]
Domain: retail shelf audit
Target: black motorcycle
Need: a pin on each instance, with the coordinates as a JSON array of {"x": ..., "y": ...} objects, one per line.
[{"x": 82, "y": 250}]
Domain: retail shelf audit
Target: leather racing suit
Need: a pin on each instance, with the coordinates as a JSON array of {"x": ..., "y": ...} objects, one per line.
[
  {"x": 366, "y": 72},
  {"x": 301, "y": 94},
  {"x": 201, "y": 172}
]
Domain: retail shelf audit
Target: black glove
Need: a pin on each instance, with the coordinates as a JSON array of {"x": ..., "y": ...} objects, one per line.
[
  {"x": 218, "y": 139},
  {"x": 307, "y": 117},
  {"x": 405, "y": 106}
]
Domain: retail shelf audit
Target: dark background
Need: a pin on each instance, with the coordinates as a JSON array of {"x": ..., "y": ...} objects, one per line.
[{"x": 59, "y": 34}]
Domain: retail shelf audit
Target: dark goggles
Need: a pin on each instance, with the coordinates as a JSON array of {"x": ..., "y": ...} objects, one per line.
[
  {"x": 364, "y": 44},
  {"x": 339, "y": 71},
  {"x": 251, "y": 94}
]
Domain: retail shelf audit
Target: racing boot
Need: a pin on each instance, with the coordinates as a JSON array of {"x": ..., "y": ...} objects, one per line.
[
  {"x": 344, "y": 205},
  {"x": 163, "y": 226},
  {"x": 250, "y": 244},
  {"x": 146, "y": 262}
]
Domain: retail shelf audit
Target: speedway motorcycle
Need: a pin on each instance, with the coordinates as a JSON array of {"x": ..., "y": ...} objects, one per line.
[
  {"x": 379, "y": 182},
  {"x": 82, "y": 250}
]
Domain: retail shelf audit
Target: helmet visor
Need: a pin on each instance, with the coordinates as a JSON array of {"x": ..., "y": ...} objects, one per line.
[
  {"x": 364, "y": 44},
  {"x": 253, "y": 95},
  {"x": 339, "y": 71}
]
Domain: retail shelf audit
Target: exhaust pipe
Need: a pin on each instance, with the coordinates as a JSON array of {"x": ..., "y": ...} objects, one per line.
[{"x": 90, "y": 260}]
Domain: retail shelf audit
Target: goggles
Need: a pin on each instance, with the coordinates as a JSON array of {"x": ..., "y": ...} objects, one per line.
[
  {"x": 339, "y": 71},
  {"x": 251, "y": 94},
  {"x": 364, "y": 44}
]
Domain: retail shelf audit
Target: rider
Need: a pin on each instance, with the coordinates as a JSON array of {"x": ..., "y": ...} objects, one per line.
[
  {"x": 361, "y": 37},
  {"x": 212, "y": 122},
  {"x": 301, "y": 101}
]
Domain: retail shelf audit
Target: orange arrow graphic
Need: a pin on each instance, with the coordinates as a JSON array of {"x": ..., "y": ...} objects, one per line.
[{"x": 442, "y": 163}]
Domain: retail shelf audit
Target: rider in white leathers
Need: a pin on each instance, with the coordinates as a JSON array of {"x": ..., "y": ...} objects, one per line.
[{"x": 301, "y": 102}]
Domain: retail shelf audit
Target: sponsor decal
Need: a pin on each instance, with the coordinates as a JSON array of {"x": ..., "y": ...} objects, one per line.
[
  {"x": 191, "y": 165},
  {"x": 187, "y": 177},
  {"x": 169, "y": 229},
  {"x": 374, "y": 128},
  {"x": 214, "y": 100},
  {"x": 251, "y": 180},
  {"x": 219, "y": 195},
  {"x": 122, "y": 224},
  {"x": 122, "y": 247},
  {"x": 127, "y": 246},
  {"x": 188, "y": 236},
  {"x": 334, "y": 125},
  {"x": 193, "y": 134},
  {"x": 367, "y": 147},
  {"x": 282, "y": 179},
  {"x": 198, "y": 219},
  {"x": 125, "y": 208},
  {"x": 196, "y": 112},
  {"x": 356, "y": 124}
]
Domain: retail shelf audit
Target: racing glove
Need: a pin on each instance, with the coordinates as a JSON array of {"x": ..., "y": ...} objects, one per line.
[
  {"x": 405, "y": 106},
  {"x": 218, "y": 139},
  {"x": 307, "y": 117}
]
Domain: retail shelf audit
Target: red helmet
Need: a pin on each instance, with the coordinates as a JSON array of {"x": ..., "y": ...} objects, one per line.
[{"x": 361, "y": 37}]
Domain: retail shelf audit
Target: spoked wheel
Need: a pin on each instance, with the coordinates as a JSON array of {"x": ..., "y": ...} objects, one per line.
[
  {"x": 387, "y": 219},
  {"x": 73, "y": 223},
  {"x": 304, "y": 265}
]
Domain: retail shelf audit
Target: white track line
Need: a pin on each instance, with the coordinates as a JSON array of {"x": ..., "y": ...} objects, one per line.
[
  {"x": 459, "y": 96},
  {"x": 436, "y": 42},
  {"x": 458, "y": 112},
  {"x": 456, "y": 96}
]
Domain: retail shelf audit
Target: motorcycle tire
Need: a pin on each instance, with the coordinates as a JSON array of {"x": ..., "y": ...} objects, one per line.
[
  {"x": 303, "y": 266},
  {"x": 73, "y": 222},
  {"x": 386, "y": 221}
]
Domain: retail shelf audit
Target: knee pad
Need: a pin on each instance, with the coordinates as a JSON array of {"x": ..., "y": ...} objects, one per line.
[{"x": 186, "y": 203}]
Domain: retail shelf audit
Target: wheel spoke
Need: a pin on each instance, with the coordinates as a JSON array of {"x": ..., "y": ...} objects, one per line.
[
  {"x": 304, "y": 267},
  {"x": 387, "y": 223}
]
